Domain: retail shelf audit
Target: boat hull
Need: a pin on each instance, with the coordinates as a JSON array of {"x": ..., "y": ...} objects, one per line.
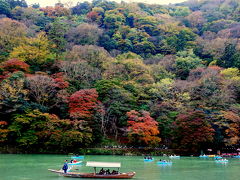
[{"x": 128, "y": 175}]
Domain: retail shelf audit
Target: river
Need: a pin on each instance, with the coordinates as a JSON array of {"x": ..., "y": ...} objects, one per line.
[{"x": 34, "y": 167}]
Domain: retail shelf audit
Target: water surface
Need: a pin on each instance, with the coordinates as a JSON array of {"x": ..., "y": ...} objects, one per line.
[{"x": 34, "y": 167}]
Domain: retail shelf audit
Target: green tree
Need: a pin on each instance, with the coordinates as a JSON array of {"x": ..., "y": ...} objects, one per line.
[
  {"x": 12, "y": 93},
  {"x": 56, "y": 34},
  {"x": 186, "y": 61},
  {"x": 15, "y": 3},
  {"x": 37, "y": 131},
  {"x": 5, "y": 8},
  {"x": 227, "y": 59}
]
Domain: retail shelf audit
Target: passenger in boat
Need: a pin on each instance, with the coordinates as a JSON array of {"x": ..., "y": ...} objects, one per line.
[
  {"x": 71, "y": 161},
  {"x": 101, "y": 171},
  {"x": 74, "y": 161},
  {"x": 108, "y": 171},
  {"x": 65, "y": 166},
  {"x": 114, "y": 172}
]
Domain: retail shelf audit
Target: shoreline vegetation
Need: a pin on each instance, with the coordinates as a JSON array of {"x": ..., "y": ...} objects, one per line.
[
  {"x": 103, "y": 151},
  {"x": 102, "y": 73}
]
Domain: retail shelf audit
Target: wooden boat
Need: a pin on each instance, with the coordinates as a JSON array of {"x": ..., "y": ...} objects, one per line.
[{"x": 96, "y": 165}]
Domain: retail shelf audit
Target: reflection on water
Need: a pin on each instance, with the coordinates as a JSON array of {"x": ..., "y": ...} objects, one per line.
[{"x": 34, "y": 167}]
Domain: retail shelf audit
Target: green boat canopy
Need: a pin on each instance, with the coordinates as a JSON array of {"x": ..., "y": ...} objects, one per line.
[{"x": 104, "y": 164}]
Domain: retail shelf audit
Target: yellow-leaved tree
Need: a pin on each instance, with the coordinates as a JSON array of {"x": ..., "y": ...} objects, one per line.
[{"x": 35, "y": 51}]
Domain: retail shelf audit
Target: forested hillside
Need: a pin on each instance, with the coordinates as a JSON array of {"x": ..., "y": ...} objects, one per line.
[{"x": 137, "y": 74}]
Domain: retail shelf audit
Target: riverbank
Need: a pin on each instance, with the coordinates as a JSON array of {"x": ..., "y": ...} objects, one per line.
[
  {"x": 97, "y": 151},
  {"x": 126, "y": 151}
]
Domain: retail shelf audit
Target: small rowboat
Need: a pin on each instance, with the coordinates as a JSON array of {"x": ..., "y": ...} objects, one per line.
[
  {"x": 211, "y": 155},
  {"x": 237, "y": 156},
  {"x": 203, "y": 156},
  {"x": 174, "y": 157},
  {"x": 164, "y": 163},
  {"x": 75, "y": 163},
  {"x": 217, "y": 157},
  {"x": 149, "y": 160},
  {"x": 77, "y": 157},
  {"x": 95, "y": 165},
  {"x": 221, "y": 161}
]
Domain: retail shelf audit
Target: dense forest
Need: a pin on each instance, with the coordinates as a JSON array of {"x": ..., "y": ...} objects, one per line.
[{"x": 134, "y": 74}]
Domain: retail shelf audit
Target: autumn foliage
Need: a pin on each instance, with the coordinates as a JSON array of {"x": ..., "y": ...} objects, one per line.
[
  {"x": 142, "y": 128},
  {"x": 192, "y": 130},
  {"x": 60, "y": 81},
  {"x": 13, "y": 65},
  {"x": 83, "y": 103},
  {"x": 164, "y": 75}
]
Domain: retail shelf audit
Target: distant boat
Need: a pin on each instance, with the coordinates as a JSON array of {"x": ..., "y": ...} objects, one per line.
[
  {"x": 95, "y": 165},
  {"x": 211, "y": 155},
  {"x": 174, "y": 157},
  {"x": 77, "y": 157},
  {"x": 218, "y": 157},
  {"x": 221, "y": 161},
  {"x": 203, "y": 156},
  {"x": 164, "y": 162},
  {"x": 148, "y": 160},
  {"x": 238, "y": 156}
]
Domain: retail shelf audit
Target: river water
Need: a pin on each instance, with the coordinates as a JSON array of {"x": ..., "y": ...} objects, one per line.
[{"x": 34, "y": 167}]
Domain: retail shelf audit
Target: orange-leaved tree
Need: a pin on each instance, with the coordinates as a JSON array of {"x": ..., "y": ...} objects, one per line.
[
  {"x": 142, "y": 128},
  {"x": 84, "y": 103}
]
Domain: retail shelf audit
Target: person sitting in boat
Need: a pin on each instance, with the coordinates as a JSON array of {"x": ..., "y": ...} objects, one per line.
[
  {"x": 101, "y": 171},
  {"x": 71, "y": 161},
  {"x": 108, "y": 171},
  {"x": 114, "y": 172},
  {"x": 74, "y": 161},
  {"x": 65, "y": 166}
]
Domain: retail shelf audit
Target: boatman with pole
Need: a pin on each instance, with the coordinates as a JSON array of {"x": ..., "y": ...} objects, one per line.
[{"x": 65, "y": 166}]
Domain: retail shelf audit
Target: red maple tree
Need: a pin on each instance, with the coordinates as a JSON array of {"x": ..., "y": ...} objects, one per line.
[
  {"x": 13, "y": 65},
  {"x": 84, "y": 103},
  {"x": 59, "y": 80},
  {"x": 142, "y": 128}
]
